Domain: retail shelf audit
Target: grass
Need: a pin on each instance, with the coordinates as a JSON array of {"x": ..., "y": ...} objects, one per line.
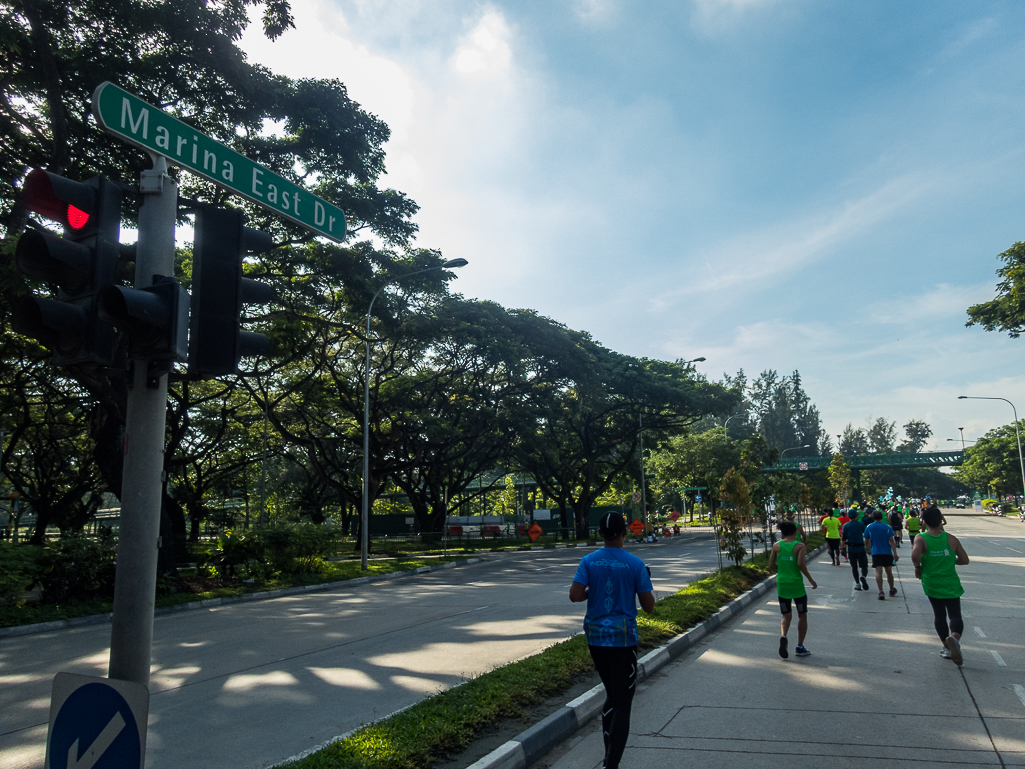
[
  {"x": 448, "y": 722},
  {"x": 30, "y": 613}
]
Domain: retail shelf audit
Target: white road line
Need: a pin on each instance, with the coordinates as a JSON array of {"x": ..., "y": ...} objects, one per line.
[
  {"x": 966, "y": 614},
  {"x": 979, "y": 633},
  {"x": 998, "y": 658},
  {"x": 1011, "y": 548},
  {"x": 1020, "y": 691}
]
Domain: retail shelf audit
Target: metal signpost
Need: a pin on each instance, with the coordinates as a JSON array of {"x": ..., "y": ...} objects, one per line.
[{"x": 104, "y": 720}]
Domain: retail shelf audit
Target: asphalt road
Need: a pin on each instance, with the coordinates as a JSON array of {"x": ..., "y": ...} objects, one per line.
[{"x": 250, "y": 685}]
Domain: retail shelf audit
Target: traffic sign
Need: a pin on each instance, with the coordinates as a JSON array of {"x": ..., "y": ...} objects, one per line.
[
  {"x": 130, "y": 118},
  {"x": 802, "y": 466},
  {"x": 636, "y": 496},
  {"x": 636, "y": 527},
  {"x": 674, "y": 515},
  {"x": 697, "y": 497},
  {"x": 96, "y": 722},
  {"x": 534, "y": 532}
]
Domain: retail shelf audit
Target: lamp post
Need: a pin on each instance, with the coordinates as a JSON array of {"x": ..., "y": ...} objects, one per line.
[
  {"x": 1017, "y": 434},
  {"x": 961, "y": 430},
  {"x": 365, "y": 513},
  {"x": 792, "y": 448}
]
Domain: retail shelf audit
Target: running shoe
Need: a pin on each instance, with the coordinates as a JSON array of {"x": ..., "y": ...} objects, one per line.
[
  {"x": 954, "y": 647},
  {"x": 945, "y": 653},
  {"x": 864, "y": 584},
  {"x": 881, "y": 596},
  {"x": 800, "y": 651},
  {"x": 783, "y": 647},
  {"x": 893, "y": 592},
  {"x": 857, "y": 586}
]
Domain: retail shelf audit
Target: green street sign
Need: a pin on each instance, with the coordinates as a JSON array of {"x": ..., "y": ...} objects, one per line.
[{"x": 130, "y": 118}]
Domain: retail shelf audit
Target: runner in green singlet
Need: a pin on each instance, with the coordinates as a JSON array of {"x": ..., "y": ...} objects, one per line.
[
  {"x": 831, "y": 528},
  {"x": 788, "y": 554},
  {"x": 936, "y": 555},
  {"x": 914, "y": 526}
]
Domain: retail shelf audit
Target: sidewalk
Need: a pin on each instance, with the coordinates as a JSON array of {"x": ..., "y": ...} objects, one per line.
[{"x": 874, "y": 690}]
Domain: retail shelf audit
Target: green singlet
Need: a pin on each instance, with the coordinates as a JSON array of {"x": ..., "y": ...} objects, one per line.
[
  {"x": 914, "y": 525},
  {"x": 939, "y": 575},
  {"x": 832, "y": 527},
  {"x": 789, "y": 580}
]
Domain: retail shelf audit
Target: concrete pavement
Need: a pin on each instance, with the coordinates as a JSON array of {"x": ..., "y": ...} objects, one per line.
[
  {"x": 250, "y": 685},
  {"x": 874, "y": 690}
]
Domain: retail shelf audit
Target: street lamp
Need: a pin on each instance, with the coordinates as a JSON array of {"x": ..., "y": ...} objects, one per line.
[
  {"x": 792, "y": 448},
  {"x": 1017, "y": 434},
  {"x": 961, "y": 430},
  {"x": 365, "y": 513},
  {"x": 696, "y": 360}
]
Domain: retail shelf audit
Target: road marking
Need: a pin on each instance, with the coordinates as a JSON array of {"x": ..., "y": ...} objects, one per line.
[
  {"x": 99, "y": 746},
  {"x": 998, "y": 658},
  {"x": 1020, "y": 691},
  {"x": 1011, "y": 548},
  {"x": 979, "y": 633},
  {"x": 966, "y": 614}
]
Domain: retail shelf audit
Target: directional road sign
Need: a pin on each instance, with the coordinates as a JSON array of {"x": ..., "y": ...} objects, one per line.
[
  {"x": 96, "y": 722},
  {"x": 130, "y": 118},
  {"x": 636, "y": 527}
]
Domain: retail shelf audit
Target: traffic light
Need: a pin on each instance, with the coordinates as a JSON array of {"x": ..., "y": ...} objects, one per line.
[
  {"x": 216, "y": 343},
  {"x": 79, "y": 264},
  {"x": 155, "y": 318}
]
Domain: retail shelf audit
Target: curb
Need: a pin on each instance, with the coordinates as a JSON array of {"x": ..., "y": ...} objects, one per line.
[
  {"x": 103, "y": 619},
  {"x": 527, "y": 747}
]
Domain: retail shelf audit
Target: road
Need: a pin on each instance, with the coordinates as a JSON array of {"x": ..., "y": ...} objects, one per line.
[{"x": 250, "y": 685}]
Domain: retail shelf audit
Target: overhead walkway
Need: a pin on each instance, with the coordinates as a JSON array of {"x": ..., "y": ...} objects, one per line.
[{"x": 870, "y": 461}]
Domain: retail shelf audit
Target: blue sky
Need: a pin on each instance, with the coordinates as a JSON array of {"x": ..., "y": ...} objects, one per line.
[{"x": 778, "y": 184}]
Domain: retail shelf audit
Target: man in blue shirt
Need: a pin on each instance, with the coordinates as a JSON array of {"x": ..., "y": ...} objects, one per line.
[
  {"x": 884, "y": 552},
  {"x": 609, "y": 579},
  {"x": 853, "y": 534}
]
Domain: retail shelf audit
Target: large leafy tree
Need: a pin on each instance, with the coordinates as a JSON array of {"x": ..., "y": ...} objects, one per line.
[
  {"x": 184, "y": 58},
  {"x": 992, "y": 463},
  {"x": 1006, "y": 312}
]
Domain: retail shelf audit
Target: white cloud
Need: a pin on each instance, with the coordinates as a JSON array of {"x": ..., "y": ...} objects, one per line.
[{"x": 485, "y": 51}]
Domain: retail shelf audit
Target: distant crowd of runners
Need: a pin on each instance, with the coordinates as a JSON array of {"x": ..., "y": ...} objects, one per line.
[{"x": 855, "y": 533}]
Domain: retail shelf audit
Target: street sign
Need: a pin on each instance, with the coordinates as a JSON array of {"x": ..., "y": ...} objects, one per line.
[
  {"x": 534, "y": 532},
  {"x": 674, "y": 515},
  {"x": 697, "y": 497},
  {"x": 130, "y": 118},
  {"x": 636, "y": 527},
  {"x": 802, "y": 466},
  {"x": 96, "y": 722},
  {"x": 636, "y": 496}
]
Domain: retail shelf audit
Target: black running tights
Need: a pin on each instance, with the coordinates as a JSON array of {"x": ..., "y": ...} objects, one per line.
[
  {"x": 858, "y": 560},
  {"x": 617, "y": 667},
  {"x": 941, "y": 609}
]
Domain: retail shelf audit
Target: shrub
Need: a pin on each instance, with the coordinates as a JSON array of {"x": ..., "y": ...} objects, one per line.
[
  {"x": 234, "y": 550},
  {"x": 296, "y": 549},
  {"x": 19, "y": 566},
  {"x": 76, "y": 568}
]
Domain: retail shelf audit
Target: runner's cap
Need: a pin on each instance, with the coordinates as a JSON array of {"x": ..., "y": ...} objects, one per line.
[{"x": 611, "y": 525}]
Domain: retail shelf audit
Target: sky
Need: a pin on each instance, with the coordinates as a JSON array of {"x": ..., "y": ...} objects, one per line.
[{"x": 768, "y": 184}]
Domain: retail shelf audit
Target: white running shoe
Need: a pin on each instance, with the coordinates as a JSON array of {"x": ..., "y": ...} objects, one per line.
[{"x": 954, "y": 646}]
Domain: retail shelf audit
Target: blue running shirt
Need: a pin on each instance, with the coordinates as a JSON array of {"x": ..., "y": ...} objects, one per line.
[
  {"x": 879, "y": 534},
  {"x": 613, "y": 577}
]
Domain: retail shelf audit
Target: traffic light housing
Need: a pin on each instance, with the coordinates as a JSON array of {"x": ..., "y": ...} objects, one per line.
[
  {"x": 155, "y": 318},
  {"x": 80, "y": 264},
  {"x": 216, "y": 341}
]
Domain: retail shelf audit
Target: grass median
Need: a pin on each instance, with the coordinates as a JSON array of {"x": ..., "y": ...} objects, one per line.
[
  {"x": 446, "y": 723},
  {"x": 30, "y": 613}
]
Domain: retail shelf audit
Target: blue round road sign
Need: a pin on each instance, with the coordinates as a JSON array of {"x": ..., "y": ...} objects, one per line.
[{"x": 95, "y": 729}]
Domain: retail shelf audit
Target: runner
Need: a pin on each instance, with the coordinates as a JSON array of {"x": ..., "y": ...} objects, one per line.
[
  {"x": 897, "y": 524},
  {"x": 845, "y": 516},
  {"x": 831, "y": 528},
  {"x": 853, "y": 535},
  {"x": 935, "y": 555},
  {"x": 913, "y": 526},
  {"x": 789, "y": 553},
  {"x": 884, "y": 552},
  {"x": 610, "y": 626}
]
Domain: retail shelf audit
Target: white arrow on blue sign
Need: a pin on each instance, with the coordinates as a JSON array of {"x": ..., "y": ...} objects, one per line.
[{"x": 96, "y": 723}]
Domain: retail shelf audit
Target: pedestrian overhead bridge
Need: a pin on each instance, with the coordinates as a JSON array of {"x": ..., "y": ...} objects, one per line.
[{"x": 869, "y": 461}]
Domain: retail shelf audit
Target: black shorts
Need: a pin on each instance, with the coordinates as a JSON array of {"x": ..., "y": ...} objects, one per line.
[
  {"x": 801, "y": 603},
  {"x": 882, "y": 560}
]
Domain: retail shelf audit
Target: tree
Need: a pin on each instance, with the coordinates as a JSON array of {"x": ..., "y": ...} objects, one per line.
[
  {"x": 840, "y": 477},
  {"x": 1007, "y": 311},
  {"x": 992, "y": 464},
  {"x": 854, "y": 441},
  {"x": 882, "y": 436},
  {"x": 916, "y": 434},
  {"x": 736, "y": 492}
]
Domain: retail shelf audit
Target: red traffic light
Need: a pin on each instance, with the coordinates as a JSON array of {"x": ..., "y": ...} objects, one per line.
[{"x": 70, "y": 203}]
